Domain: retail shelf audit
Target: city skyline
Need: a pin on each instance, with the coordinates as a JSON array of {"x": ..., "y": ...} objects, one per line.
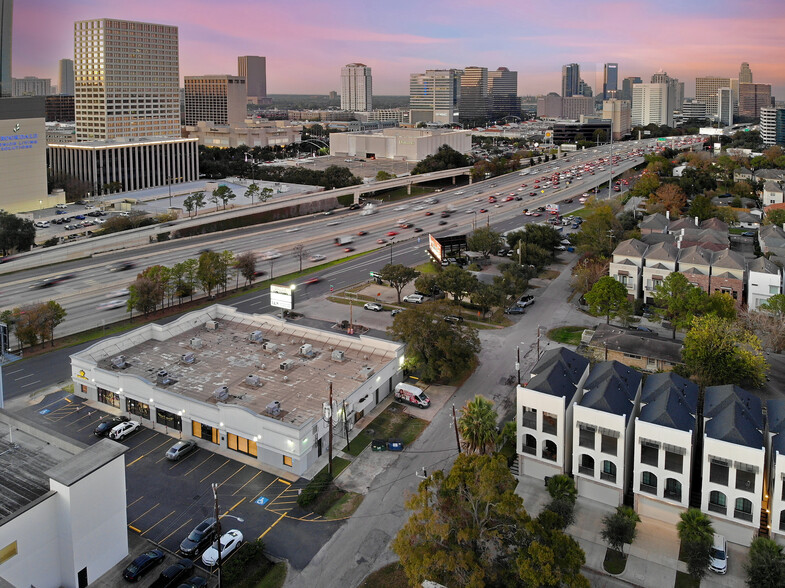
[{"x": 305, "y": 51}]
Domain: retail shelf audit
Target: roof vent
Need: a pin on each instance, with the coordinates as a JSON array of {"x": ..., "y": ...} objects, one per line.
[
  {"x": 195, "y": 343},
  {"x": 189, "y": 357},
  {"x": 256, "y": 337},
  {"x": 222, "y": 393},
  {"x": 211, "y": 325},
  {"x": 162, "y": 378},
  {"x": 274, "y": 408},
  {"x": 337, "y": 355},
  {"x": 365, "y": 372},
  {"x": 271, "y": 347}
]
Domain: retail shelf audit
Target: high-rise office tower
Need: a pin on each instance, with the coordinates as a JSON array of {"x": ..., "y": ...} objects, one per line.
[
  {"x": 661, "y": 77},
  {"x": 675, "y": 89},
  {"x": 434, "y": 95},
  {"x": 610, "y": 79},
  {"x": 356, "y": 87},
  {"x": 66, "y": 82},
  {"x": 584, "y": 89},
  {"x": 254, "y": 69},
  {"x": 753, "y": 97},
  {"x": 725, "y": 106},
  {"x": 650, "y": 105},
  {"x": 745, "y": 74},
  {"x": 217, "y": 98},
  {"x": 706, "y": 89},
  {"x": 503, "y": 93},
  {"x": 473, "y": 105},
  {"x": 6, "y": 22},
  {"x": 626, "y": 87},
  {"x": 772, "y": 126},
  {"x": 570, "y": 78},
  {"x": 126, "y": 79}
]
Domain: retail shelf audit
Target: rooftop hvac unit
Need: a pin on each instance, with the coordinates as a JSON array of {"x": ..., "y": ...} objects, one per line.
[
  {"x": 162, "y": 378},
  {"x": 366, "y": 372},
  {"x": 253, "y": 380},
  {"x": 274, "y": 408},
  {"x": 211, "y": 325},
  {"x": 306, "y": 350},
  {"x": 286, "y": 365},
  {"x": 271, "y": 347},
  {"x": 195, "y": 343},
  {"x": 222, "y": 393},
  {"x": 337, "y": 355},
  {"x": 189, "y": 357},
  {"x": 119, "y": 362},
  {"x": 255, "y": 337}
]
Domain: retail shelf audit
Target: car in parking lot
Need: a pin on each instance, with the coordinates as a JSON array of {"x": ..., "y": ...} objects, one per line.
[
  {"x": 61, "y": 205},
  {"x": 198, "y": 539},
  {"x": 106, "y": 425},
  {"x": 172, "y": 575},
  {"x": 180, "y": 449},
  {"x": 41, "y": 224},
  {"x": 61, "y": 211},
  {"x": 515, "y": 309},
  {"x": 414, "y": 298},
  {"x": 374, "y": 306},
  {"x": 395, "y": 311},
  {"x": 122, "y": 430},
  {"x": 194, "y": 582},
  {"x": 143, "y": 564},
  {"x": 525, "y": 301},
  {"x": 79, "y": 216},
  {"x": 719, "y": 555},
  {"x": 230, "y": 541}
]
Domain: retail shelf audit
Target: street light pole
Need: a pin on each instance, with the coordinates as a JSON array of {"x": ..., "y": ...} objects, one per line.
[{"x": 218, "y": 531}]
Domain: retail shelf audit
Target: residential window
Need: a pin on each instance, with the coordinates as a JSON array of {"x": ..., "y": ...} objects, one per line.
[
  {"x": 745, "y": 481},
  {"x": 287, "y": 461},
  {"x": 648, "y": 483},
  {"x": 84, "y": 389},
  {"x": 586, "y": 438},
  {"x": 140, "y": 409},
  {"x": 717, "y": 502},
  {"x": 609, "y": 445},
  {"x": 586, "y": 465},
  {"x": 743, "y": 509},
  {"x": 774, "y": 290},
  {"x": 674, "y": 462},
  {"x": 718, "y": 473},
  {"x": 631, "y": 356},
  {"x": 549, "y": 450},
  {"x": 529, "y": 445},
  {"x": 673, "y": 489},
  {"x": 608, "y": 471},
  {"x": 529, "y": 418},
  {"x": 549, "y": 422},
  {"x": 782, "y": 520},
  {"x": 650, "y": 455},
  {"x": 241, "y": 444}
]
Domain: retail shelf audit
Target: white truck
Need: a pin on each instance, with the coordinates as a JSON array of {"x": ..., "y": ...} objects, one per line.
[
  {"x": 343, "y": 240},
  {"x": 411, "y": 395},
  {"x": 368, "y": 209}
]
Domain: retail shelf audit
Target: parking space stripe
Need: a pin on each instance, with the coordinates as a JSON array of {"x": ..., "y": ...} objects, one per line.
[
  {"x": 146, "y": 454},
  {"x": 150, "y": 438},
  {"x": 175, "y": 531},
  {"x": 196, "y": 466},
  {"x": 215, "y": 470},
  {"x": 134, "y": 528},
  {"x": 232, "y": 476},
  {"x": 263, "y": 490},
  {"x": 248, "y": 482},
  {"x": 159, "y": 522},
  {"x": 278, "y": 520},
  {"x": 134, "y": 502},
  {"x": 144, "y": 513}
]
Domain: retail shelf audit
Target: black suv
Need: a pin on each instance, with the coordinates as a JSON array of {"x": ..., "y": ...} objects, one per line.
[
  {"x": 199, "y": 538},
  {"x": 172, "y": 575}
]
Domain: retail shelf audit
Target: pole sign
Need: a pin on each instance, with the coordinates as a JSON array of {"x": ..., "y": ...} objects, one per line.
[{"x": 281, "y": 297}]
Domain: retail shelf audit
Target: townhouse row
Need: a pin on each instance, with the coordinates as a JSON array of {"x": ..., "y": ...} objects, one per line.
[{"x": 618, "y": 435}]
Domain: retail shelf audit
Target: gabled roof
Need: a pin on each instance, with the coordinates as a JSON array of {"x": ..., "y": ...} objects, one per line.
[
  {"x": 733, "y": 415},
  {"x": 728, "y": 259},
  {"x": 769, "y": 174},
  {"x": 764, "y": 266},
  {"x": 670, "y": 409},
  {"x": 631, "y": 248},
  {"x": 624, "y": 262},
  {"x": 636, "y": 343},
  {"x": 695, "y": 255},
  {"x": 659, "y": 266},
  {"x": 662, "y": 251},
  {"x": 772, "y": 186},
  {"x": 747, "y": 217},
  {"x": 558, "y": 373},
  {"x": 655, "y": 222},
  {"x": 616, "y": 374},
  {"x": 742, "y": 171},
  {"x": 683, "y": 223},
  {"x": 654, "y": 238},
  {"x": 715, "y": 224},
  {"x": 661, "y": 383}
]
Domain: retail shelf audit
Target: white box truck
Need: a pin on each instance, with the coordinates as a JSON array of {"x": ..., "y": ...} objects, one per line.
[{"x": 411, "y": 395}]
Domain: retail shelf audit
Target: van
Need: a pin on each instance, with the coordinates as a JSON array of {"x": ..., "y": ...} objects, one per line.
[
  {"x": 411, "y": 395},
  {"x": 414, "y": 298},
  {"x": 719, "y": 555}
]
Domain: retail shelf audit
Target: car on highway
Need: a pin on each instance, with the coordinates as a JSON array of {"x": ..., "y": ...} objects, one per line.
[
  {"x": 311, "y": 281},
  {"x": 442, "y": 222},
  {"x": 122, "y": 266},
  {"x": 418, "y": 229},
  {"x": 61, "y": 211},
  {"x": 106, "y": 425},
  {"x": 348, "y": 249},
  {"x": 143, "y": 564},
  {"x": 482, "y": 210},
  {"x": 61, "y": 205},
  {"x": 317, "y": 257},
  {"x": 122, "y": 430},
  {"x": 230, "y": 541},
  {"x": 429, "y": 213},
  {"x": 374, "y": 306},
  {"x": 381, "y": 241},
  {"x": 198, "y": 539},
  {"x": 180, "y": 449},
  {"x": 445, "y": 214},
  {"x": 271, "y": 254},
  {"x": 361, "y": 233},
  {"x": 172, "y": 574},
  {"x": 391, "y": 233},
  {"x": 111, "y": 304}
]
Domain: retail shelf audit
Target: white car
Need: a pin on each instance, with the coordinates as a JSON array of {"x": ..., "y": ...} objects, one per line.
[
  {"x": 41, "y": 224},
  {"x": 110, "y": 304},
  {"x": 719, "y": 555},
  {"x": 230, "y": 541},
  {"x": 414, "y": 298},
  {"x": 272, "y": 254},
  {"x": 61, "y": 206},
  {"x": 374, "y": 306},
  {"x": 317, "y": 257},
  {"x": 122, "y": 430}
]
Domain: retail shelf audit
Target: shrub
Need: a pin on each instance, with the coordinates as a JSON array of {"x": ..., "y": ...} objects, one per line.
[
  {"x": 315, "y": 487},
  {"x": 250, "y": 556}
]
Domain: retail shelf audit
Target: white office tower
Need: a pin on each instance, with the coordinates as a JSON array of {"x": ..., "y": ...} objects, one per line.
[
  {"x": 434, "y": 96},
  {"x": 126, "y": 79},
  {"x": 725, "y": 106},
  {"x": 650, "y": 105},
  {"x": 356, "y": 87}
]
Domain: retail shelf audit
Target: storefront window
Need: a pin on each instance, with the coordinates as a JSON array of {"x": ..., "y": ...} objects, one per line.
[
  {"x": 107, "y": 397},
  {"x": 240, "y": 444},
  {"x": 140, "y": 409},
  {"x": 168, "y": 419},
  {"x": 206, "y": 432}
]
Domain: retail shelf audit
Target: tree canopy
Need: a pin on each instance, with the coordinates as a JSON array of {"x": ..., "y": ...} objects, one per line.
[
  {"x": 398, "y": 275},
  {"x": 765, "y": 567},
  {"x": 445, "y": 158},
  {"x": 477, "y": 425},
  {"x": 16, "y": 233},
  {"x": 607, "y": 297},
  {"x": 484, "y": 240},
  {"x": 697, "y": 537}
]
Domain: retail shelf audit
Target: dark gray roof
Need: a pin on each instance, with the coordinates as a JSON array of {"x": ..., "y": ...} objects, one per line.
[
  {"x": 630, "y": 248},
  {"x": 686, "y": 222},
  {"x": 616, "y": 374},
  {"x": 637, "y": 343},
  {"x": 655, "y": 222},
  {"x": 670, "y": 409},
  {"x": 657, "y": 385},
  {"x": 609, "y": 397},
  {"x": 764, "y": 266},
  {"x": 558, "y": 372},
  {"x": 733, "y": 415},
  {"x": 654, "y": 238},
  {"x": 775, "y": 413}
]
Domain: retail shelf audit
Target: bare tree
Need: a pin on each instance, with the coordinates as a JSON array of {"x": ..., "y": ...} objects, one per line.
[
  {"x": 299, "y": 252},
  {"x": 245, "y": 264}
]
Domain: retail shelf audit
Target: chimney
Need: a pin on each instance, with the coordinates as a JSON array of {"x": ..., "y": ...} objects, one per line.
[
  {"x": 696, "y": 221},
  {"x": 668, "y": 214}
]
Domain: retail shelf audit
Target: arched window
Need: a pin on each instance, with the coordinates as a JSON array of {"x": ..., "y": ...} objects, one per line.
[
  {"x": 529, "y": 444},
  {"x": 608, "y": 471},
  {"x": 586, "y": 465},
  {"x": 717, "y": 502},
  {"x": 549, "y": 450},
  {"x": 648, "y": 483},
  {"x": 673, "y": 489},
  {"x": 743, "y": 509}
]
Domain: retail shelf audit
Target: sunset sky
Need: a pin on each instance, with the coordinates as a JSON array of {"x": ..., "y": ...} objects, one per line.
[{"x": 307, "y": 41}]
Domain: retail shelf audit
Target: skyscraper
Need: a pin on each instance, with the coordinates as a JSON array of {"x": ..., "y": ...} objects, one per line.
[
  {"x": 220, "y": 99},
  {"x": 675, "y": 89},
  {"x": 650, "y": 105},
  {"x": 753, "y": 97},
  {"x": 356, "y": 87},
  {"x": 706, "y": 89},
  {"x": 434, "y": 95},
  {"x": 473, "y": 105},
  {"x": 254, "y": 69},
  {"x": 570, "y": 78},
  {"x": 66, "y": 82},
  {"x": 6, "y": 22},
  {"x": 126, "y": 79},
  {"x": 610, "y": 81},
  {"x": 745, "y": 74},
  {"x": 725, "y": 106},
  {"x": 503, "y": 93},
  {"x": 626, "y": 87},
  {"x": 772, "y": 126}
]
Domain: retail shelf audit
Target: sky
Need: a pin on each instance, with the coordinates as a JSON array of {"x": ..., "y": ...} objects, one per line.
[{"x": 306, "y": 42}]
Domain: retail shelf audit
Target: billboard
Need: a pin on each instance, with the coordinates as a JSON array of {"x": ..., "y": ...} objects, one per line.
[{"x": 281, "y": 297}]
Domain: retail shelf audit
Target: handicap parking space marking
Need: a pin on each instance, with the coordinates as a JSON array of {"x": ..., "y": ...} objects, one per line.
[
  {"x": 261, "y": 501},
  {"x": 44, "y": 411}
]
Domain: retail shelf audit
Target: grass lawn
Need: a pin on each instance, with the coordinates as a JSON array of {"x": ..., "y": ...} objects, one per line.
[
  {"x": 401, "y": 193},
  {"x": 390, "y": 576},
  {"x": 357, "y": 444},
  {"x": 428, "y": 268},
  {"x": 345, "y": 507},
  {"x": 549, "y": 275},
  {"x": 392, "y": 423},
  {"x": 566, "y": 335},
  {"x": 684, "y": 580},
  {"x": 615, "y": 562}
]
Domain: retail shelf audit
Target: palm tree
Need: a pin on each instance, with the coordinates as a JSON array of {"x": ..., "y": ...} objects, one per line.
[
  {"x": 697, "y": 536},
  {"x": 562, "y": 487},
  {"x": 477, "y": 425}
]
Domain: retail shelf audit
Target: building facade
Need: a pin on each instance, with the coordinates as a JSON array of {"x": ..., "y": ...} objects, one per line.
[
  {"x": 136, "y": 164},
  {"x": 503, "y": 93},
  {"x": 619, "y": 113},
  {"x": 570, "y": 78},
  {"x": 745, "y": 73},
  {"x": 610, "y": 80},
  {"x": 356, "y": 87},
  {"x": 474, "y": 104},
  {"x": 126, "y": 79},
  {"x": 693, "y": 109},
  {"x": 66, "y": 77},
  {"x": 6, "y": 30},
  {"x": 772, "y": 126},
  {"x": 753, "y": 97},
  {"x": 252, "y": 134},
  {"x": 549, "y": 106},
  {"x": 31, "y": 86},
  {"x": 60, "y": 108},
  {"x": 254, "y": 69},
  {"x": 706, "y": 91},
  {"x": 576, "y": 106},
  {"x": 398, "y": 143},
  {"x": 725, "y": 108},
  {"x": 626, "y": 87},
  {"x": 220, "y": 99},
  {"x": 650, "y": 105},
  {"x": 434, "y": 96}
]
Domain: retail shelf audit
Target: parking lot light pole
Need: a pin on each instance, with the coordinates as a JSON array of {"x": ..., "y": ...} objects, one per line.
[{"x": 217, "y": 531}]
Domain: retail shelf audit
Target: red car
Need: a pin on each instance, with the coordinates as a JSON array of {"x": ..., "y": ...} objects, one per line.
[
  {"x": 361, "y": 233},
  {"x": 429, "y": 213},
  {"x": 532, "y": 193},
  {"x": 483, "y": 210},
  {"x": 311, "y": 281},
  {"x": 391, "y": 234},
  {"x": 536, "y": 214},
  {"x": 348, "y": 249}
]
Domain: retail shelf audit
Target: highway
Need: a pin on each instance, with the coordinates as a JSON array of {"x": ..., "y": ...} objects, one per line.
[{"x": 92, "y": 282}]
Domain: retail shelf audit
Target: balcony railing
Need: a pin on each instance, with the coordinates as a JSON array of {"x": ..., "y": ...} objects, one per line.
[
  {"x": 549, "y": 455},
  {"x": 718, "y": 508},
  {"x": 586, "y": 471},
  {"x": 743, "y": 515},
  {"x": 648, "y": 488},
  {"x": 672, "y": 495},
  {"x": 549, "y": 428},
  {"x": 608, "y": 477},
  {"x": 530, "y": 422},
  {"x": 529, "y": 450}
]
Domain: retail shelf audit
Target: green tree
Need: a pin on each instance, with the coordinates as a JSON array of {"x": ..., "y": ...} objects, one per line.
[
  {"x": 645, "y": 186},
  {"x": 477, "y": 425},
  {"x": 457, "y": 282},
  {"x": 209, "y": 272},
  {"x": 445, "y": 158},
  {"x": 600, "y": 233},
  {"x": 562, "y": 487},
  {"x": 252, "y": 192},
  {"x": 159, "y": 277},
  {"x": 382, "y": 175},
  {"x": 225, "y": 261},
  {"x": 721, "y": 304},
  {"x": 618, "y": 528},
  {"x": 607, "y": 297},
  {"x": 142, "y": 296},
  {"x": 245, "y": 264},
  {"x": 696, "y": 181},
  {"x": 775, "y": 217},
  {"x": 439, "y": 350},
  {"x": 702, "y": 207},
  {"x": 677, "y": 301},
  {"x": 222, "y": 193},
  {"x": 190, "y": 267},
  {"x": 299, "y": 252},
  {"x": 188, "y": 204},
  {"x": 720, "y": 351},
  {"x": 486, "y": 296},
  {"x": 199, "y": 201},
  {"x": 765, "y": 567},
  {"x": 52, "y": 314},
  {"x": 550, "y": 559},
  {"x": 398, "y": 275},
  {"x": 426, "y": 283},
  {"x": 484, "y": 240},
  {"x": 16, "y": 234},
  {"x": 697, "y": 536},
  {"x": 774, "y": 305}
]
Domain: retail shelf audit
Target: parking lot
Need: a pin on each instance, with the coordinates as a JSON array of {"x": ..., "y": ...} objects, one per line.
[{"x": 166, "y": 500}]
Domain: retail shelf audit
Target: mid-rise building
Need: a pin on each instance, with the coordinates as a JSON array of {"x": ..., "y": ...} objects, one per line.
[
  {"x": 254, "y": 69},
  {"x": 576, "y": 106},
  {"x": 398, "y": 143},
  {"x": 745, "y": 73},
  {"x": 610, "y": 80},
  {"x": 549, "y": 106},
  {"x": 620, "y": 115},
  {"x": 650, "y": 105},
  {"x": 126, "y": 79},
  {"x": 753, "y": 97},
  {"x": 356, "y": 87},
  {"x": 675, "y": 89},
  {"x": 66, "y": 77},
  {"x": 60, "y": 108},
  {"x": 6, "y": 28},
  {"x": 570, "y": 79},
  {"x": 725, "y": 106},
  {"x": 706, "y": 90},
  {"x": 693, "y": 109},
  {"x": 772, "y": 126},
  {"x": 434, "y": 96},
  {"x": 474, "y": 105},
  {"x": 220, "y": 99},
  {"x": 249, "y": 133},
  {"x": 626, "y": 87},
  {"x": 584, "y": 89},
  {"x": 503, "y": 93},
  {"x": 31, "y": 86}
]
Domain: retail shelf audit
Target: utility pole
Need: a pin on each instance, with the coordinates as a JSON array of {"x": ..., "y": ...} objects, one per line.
[
  {"x": 330, "y": 439},
  {"x": 538, "y": 342},
  {"x": 346, "y": 428},
  {"x": 455, "y": 424},
  {"x": 518, "y": 363},
  {"x": 217, "y": 530}
]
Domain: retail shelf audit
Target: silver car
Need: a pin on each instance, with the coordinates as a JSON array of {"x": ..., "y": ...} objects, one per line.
[{"x": 180, "y": 450}]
